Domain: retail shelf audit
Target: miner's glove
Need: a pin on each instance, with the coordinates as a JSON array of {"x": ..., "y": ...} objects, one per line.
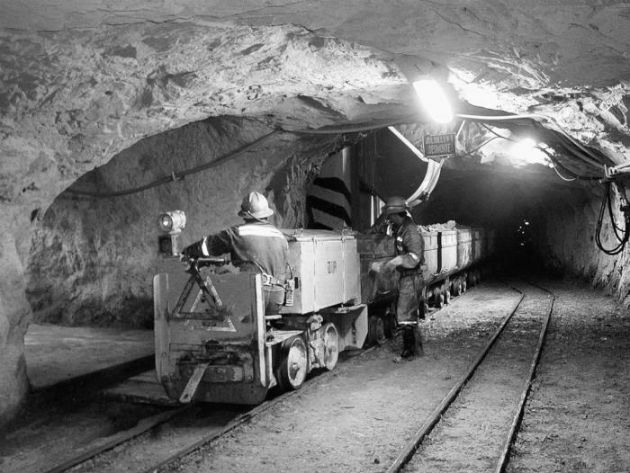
[{"x": 194, "y": 250}]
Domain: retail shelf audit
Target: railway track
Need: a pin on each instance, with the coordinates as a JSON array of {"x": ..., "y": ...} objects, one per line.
[
  {"x": 509, "y": 361},
  {"x": 162, "y": 439}
]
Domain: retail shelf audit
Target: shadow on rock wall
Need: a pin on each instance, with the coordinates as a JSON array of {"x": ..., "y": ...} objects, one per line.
[{"x": 93, "y": 254}]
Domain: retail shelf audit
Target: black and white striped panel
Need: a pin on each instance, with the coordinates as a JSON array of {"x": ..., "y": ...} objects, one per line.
[{"x": 328, "y": 201}]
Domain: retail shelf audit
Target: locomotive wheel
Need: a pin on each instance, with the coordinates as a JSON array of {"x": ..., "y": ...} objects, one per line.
[
  {"x": 376, "y": 330},
  {"x": 294, "y": 364},
  {"x": 331, "y": 345}
]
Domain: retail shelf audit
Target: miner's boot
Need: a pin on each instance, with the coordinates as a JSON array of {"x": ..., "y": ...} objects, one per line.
[
  {"x": 408, "y": 343},
  {"x": 418, "y": 341}
]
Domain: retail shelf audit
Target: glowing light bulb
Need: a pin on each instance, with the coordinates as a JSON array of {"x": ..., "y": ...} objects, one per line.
[
  {"x": 433, "y": 100},
  {"x": 524, "y": 147}
]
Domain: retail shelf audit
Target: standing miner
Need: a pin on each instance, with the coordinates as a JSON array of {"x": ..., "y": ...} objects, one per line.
[
  {"x": 255, "y": 245},
  {"x": 409, "y": 257}
]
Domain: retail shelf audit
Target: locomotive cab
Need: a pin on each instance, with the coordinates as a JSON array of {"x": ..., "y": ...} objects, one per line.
[{"x": 214, "y": 342}]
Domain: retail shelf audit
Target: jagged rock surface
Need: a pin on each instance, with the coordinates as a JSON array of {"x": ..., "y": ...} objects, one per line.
[{"x": 83, "y": 82}]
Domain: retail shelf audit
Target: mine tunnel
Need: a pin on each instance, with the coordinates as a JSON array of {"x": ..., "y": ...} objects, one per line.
[{"x": 112, "y": 114}]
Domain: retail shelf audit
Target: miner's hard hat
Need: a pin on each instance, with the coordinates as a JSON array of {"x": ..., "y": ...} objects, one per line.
[
  {"x": 395, "y": 205},
  {"x": 255, "y": 205}
]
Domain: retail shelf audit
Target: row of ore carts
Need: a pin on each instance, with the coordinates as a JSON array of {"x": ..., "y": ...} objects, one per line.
[{"x": 454, "y": 257}]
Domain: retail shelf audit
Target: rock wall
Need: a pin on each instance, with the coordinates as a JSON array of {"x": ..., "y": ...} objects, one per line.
[
  {"x": 15, "y": 315},
  {"x": 93, "y": 255},
  {"x": 81, "y": 82},
  {"x": 568, "y": 243},
  {"x": 73, "y": 99}
]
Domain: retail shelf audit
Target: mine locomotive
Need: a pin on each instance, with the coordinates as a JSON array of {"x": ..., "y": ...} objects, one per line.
[{"x": 214, "y": 342}]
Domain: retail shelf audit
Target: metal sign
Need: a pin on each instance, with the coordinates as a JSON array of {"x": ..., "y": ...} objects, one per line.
[{"x": 439, "y": 145}]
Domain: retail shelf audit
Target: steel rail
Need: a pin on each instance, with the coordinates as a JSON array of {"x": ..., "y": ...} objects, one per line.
[
  {"x": 149, "y": 423},
  {"x": 411, "y": 447},
  {"x": 518, "y": 416},
  {"x": 248, "y": 416},
  {"x": 241, "y": 419},
  {"x": 144, "y": 425}
]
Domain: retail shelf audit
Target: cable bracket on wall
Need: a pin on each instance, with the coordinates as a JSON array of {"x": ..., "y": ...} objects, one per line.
[{"x": 616, "y": 172}]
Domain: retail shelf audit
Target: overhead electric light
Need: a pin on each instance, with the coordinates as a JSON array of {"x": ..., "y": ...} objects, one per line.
[
  {"x": 527, "y": 151},
  {"x": 434, "y": 100},
  {"x": 524, "y": 147}
]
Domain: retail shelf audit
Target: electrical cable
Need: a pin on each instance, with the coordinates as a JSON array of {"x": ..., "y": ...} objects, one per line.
[
  {"x": 566, "y": 179},
  {"x": 175, "y": 176},
  {"x": 334, "y": 130},
  {"x": 616, "y": 227},
  {"x": 590, "y": 157},
  {"x": 550, "y": 156},
  {"x": 621, "y": 234},
  {"x": 623, "y": 238},
  {"x": 498, "y": 135},
  {"x": 557, "y": 164}
]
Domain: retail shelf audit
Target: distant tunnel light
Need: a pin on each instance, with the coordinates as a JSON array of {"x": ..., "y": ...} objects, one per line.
[{"x": 434, "y": 100}]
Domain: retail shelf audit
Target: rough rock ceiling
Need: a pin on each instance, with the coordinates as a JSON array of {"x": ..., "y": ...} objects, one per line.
[{"x": 82, "y": 80}]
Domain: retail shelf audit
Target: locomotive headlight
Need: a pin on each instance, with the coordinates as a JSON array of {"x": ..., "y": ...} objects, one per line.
[
  {"x": 172, "y": 222},
  {"x": 171, "y": 225}
]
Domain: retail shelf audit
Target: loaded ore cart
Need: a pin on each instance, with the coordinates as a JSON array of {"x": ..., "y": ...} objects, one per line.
[
  {"x": 453, "y": 258},
  {"x": 213, "y": 340}
]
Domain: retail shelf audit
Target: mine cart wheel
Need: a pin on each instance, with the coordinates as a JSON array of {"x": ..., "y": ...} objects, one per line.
[
  {"x": 331, "y": 345},
  {"x": 447, "y": 296},
  {"x": 293, "y": 365},
  {"x": 457, "y": 288},
  {"x": 464, "y": 286},
  {"x": 376, "y": 330},
  {"x": 389, "y": 324},
  {"x": 438, "y": 298}
]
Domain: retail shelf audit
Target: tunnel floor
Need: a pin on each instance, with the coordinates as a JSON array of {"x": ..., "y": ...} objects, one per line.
[
  {"x": 357, "y": 418},
  {"x": 56, "y": 354},
  {"x": 577, "y": 418}
]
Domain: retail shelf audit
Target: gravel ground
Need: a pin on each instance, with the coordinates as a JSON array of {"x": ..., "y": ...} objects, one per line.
[
  {"x": 359, "y": 417},
  {"x": 577, "y": 418}
]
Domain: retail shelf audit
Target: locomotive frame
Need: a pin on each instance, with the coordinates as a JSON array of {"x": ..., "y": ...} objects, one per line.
[{"x": 215, "y": 343}]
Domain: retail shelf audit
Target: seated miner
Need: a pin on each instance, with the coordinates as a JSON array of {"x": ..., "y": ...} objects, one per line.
[
  {"x": 408, "y": 260},
  {"x": 255, "y": 245}
]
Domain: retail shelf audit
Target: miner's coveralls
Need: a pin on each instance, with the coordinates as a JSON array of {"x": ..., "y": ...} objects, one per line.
[
  {"x": 409, "y": 242},
  {"x": 256, "y": 246}
]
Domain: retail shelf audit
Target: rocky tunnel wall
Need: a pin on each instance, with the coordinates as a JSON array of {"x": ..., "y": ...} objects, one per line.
[
  {"x": 568, "y": 241},
  {"x": 71, "y": 100},
  {"x": 93, "y": 253},
  {"x": 82, "y": 82}
]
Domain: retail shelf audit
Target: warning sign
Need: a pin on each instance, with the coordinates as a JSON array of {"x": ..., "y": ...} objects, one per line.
[{"x": 439, "y": 145}]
